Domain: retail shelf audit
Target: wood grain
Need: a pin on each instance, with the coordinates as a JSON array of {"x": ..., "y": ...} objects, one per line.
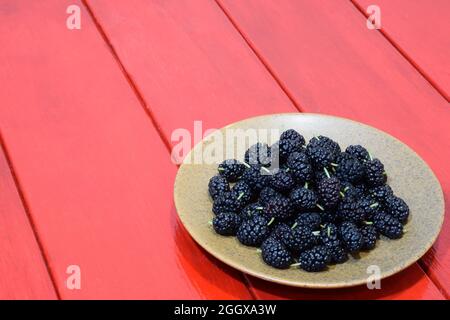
[
  {"x": 332, "y": 63},
  {"x": 206, "y": 41},
  {"x": 24, "y": 274},
  {"x": 97, "y": 178},
  {"x": 419, "y": 29}
]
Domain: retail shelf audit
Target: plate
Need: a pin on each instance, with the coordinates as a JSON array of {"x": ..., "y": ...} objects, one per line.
[{"x": 408, "y": 175}]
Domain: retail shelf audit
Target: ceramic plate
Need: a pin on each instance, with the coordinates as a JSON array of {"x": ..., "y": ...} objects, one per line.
[{"x": 408, "y": 175}]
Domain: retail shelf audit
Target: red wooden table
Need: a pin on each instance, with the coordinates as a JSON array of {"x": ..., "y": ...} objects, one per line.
[{"x": 86, "y": 117}]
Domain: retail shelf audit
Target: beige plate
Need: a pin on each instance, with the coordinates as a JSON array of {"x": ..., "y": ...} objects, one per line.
[{"x": 408, "y": 175}]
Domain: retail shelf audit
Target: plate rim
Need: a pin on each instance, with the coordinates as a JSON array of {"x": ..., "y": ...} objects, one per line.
[{"x": 300, "y": 284}]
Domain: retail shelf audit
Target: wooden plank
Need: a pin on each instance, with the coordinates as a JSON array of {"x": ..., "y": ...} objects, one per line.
[
  {"x": 332, "y": 63},
  {"x": 419, "y": 29},
  {"x": 22, "y": 266},
  {"x": 97, "y": 177},
  {"x": 206, "y": 31}
]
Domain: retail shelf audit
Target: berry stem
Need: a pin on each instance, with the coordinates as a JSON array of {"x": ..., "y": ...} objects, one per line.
[
  {"x": 326, "y": 172},
  {"x": 306, "y": 185},
  {"x": 334, "y": 164},
  {"x": 265, "y": 169},
  {"x": 294, "y": 225},
  {"x": 374, "y": 205},
  {"x": 320, "y": 207},
  {"x": 316, "y": 233},
  {"x": 342, "y": 194},
  {"x": 246, "y": 164},
  {"x": 240, "y": 195},
  {"x": 258, "y": 250},
  {"x": 295, "y": 264},
  {"x": 271, "y": 221},
  {"x": 368, "y": 222},
  {"x": 210, "y": 222}
]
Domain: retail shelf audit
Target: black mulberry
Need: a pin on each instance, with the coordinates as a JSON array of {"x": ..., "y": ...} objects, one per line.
[
  {"x": 218, "y": 185},
  {"x": 254, "y": 231},
  {"x": 375, "y": 175},
  {"x": 275, "y": 254},
  {"x": 226, "y": 224},
  {"x": 303, "y": 199},
  {"x": 351, "y": 236},
  {"x": 387, "y": 225},
  {"x": 397, "y": 208},
  {"x": 231, "y": 169},
  {"x": 315, "y": 259}
]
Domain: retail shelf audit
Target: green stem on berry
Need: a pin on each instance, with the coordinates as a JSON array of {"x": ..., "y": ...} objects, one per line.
[
  {"x": 210, "y": 222},
  {"x": 370, "y": 156},
  {"x": 271, "y": 221},
  {"x": 374, "y": 205},
  {"x": 240, "y": 195},
  {"x": 342, "y": 194},
  {"x": 316, "y": 233},
  {"x": 259, "y": 208},
  {"x": 334, "y": 164},
  {"x": 328, "y": 232},
  {"x": 326, "y": 172},
  {"x": 220, "y": 169},
  {"x": 246, "y": 164},
  {"x": 258, "y": 250},
  {"x": 306, "y": 185},
  {"x": 294, "y": 225},
  {"x": 368, "y": 222},
  {"x": 265, "y": 169},
  {"x": 346, "y": 188},
  {"x": 322, "y": 226},
  {"x": 320, "y": 207},
  {"x": 295, "y": 265}
]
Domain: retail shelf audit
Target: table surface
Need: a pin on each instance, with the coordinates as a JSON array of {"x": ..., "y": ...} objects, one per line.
[{"x": 87, "y": 115}]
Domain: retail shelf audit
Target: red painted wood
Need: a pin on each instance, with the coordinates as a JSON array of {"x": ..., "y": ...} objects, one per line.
[
  {"x": 420, "y": 29},
  {"x": 24, "y": 274},
  {"x": 198, "y": 31},
  {"x": 97, "y": 177},
  {"x": 189, "y": 62},
  {"x": 331, "y": 62}
]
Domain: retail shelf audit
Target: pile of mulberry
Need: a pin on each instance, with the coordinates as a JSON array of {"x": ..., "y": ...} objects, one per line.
[{"x": 321, "y": 205}]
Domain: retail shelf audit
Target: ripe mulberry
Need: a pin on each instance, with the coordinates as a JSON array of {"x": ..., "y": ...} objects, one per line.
[
  {"x": 303, "y": 199},
  {"x": 218, "y": 185},
  {"x": 231, "y": 169},
  {"x": 226, "y": 224},
  {"x": 315, "y": 259},
  {"x": 275, "y": 254},
  {"x": 351, "y": 236},
  {"x": 254, "y": 231},
  {"x": 387, "y": 225}
]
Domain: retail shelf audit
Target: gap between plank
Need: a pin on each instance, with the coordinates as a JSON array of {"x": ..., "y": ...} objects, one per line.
[
  {"x": 30, "y": 218},
  {"x": 260, "y": 57},
  {"x": 405, "y": 55},
  {"x": 128, "y": 77}
]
